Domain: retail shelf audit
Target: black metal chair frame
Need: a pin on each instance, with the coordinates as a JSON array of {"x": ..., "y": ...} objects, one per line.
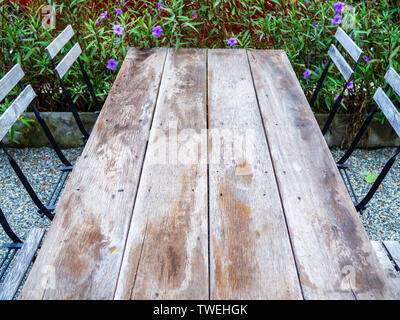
[
  {"x": 12, "y": 247},
  {"x": 334, "y": 56},
  {"x": 52, "y": 50},
  {"x": 341, "y": 164},
  {"x": 48, "y": 208}
]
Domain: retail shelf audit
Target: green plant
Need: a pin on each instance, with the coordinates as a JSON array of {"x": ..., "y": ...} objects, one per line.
[{"x": 302, "y": 28}]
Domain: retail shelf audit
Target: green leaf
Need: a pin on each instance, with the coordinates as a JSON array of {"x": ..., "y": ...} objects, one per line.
[{"x": 370, "y": 177}]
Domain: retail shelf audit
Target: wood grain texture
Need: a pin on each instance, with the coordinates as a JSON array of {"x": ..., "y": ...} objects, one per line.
[
  {"x": 393, "y": 247},
  {"x": 15, "y": 110},
  {"x": 21, "y": 264},
  {"x": 340, "y": 62},
  {"x": 349, "y": 45},
  {"x": 392, "y": 274},
  {"x": 250, "y": 257},
  {"x": 68, "y": 61},
  {"x": 334, "y": 256},
  {"x": 10, "y": 80},
  {"x": 393, "y": 79},
  {"x": 58, "y": 43},
  {"x": 84, "y": 245},
  {"x": 166, "y": 256},
  {"x": 389, "y": 109}
]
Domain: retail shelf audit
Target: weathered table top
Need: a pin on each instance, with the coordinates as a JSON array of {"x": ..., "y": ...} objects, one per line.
[{"x": 144, "y": 217}]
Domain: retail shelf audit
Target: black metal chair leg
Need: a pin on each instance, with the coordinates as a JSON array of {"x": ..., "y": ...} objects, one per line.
[
  {"x": 7, "y": 229},
  {"x": 361, "y": 205},
  {"x": 90, "y": 87},
  {"x": 42, "y": 208},
  {"x": 320, "y": 83}
]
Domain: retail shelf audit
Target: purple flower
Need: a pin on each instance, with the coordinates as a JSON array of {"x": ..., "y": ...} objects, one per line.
[
  {"x": 307, "y": 3},
  {"x": 159, "y": 5},
  {"x": 22, "y": 37},
  {"x": 98, "y": 22},
  {"x": 119, "y": 11},
  {"x": 104, "y": 15},
  {"x": 157, "y": 31},
  {"x": 194, "y": 14},
  {"x": 323, "y": 63},
  {"x": 316, "y": 70},
  {"x": 339, "y": 6},
  {"x": 336, "y": 97},
  {"x": 367, "y": 59},
  {"x": 350, "y": 85},
  {"x": 186, "y": 26},
  {"x": 336, "y": 20},
  {"x": 112, "y": 64},
  {"x": 118, "y": 30},
  {"x": 232, "y": 41},
  {"x": 306, "y": 74}
]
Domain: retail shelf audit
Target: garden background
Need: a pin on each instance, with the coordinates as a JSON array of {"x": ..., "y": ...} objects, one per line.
[{"x": 303, "y": 28}]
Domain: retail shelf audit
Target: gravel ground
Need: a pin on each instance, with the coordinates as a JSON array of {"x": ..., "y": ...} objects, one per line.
[
  {"x": 381, "y": 219},
  {"x": 39, "y": 165}
]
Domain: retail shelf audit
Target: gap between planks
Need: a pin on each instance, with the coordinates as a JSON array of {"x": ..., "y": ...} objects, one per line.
[{"x": 141, "y": 171}]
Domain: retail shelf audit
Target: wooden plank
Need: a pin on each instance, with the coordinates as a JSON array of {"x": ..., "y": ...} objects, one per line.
[
  {"x": 15, "y": 110},
  {"x": 388, "y": 266},
  {"x": 389, "y": 109},
  {"x": 251, "y": 256},
  {"x": 393, "y": 79},
  {"x": 10, "y": 80},
  {"x": 166, "y": 256},
  {"x": 85, "y": 243},
  {"x": 58, "y": 43},
  {"x": 349, "y": 45},
  {"x": 334, "y": 256},
  {"x": 68, "y": 61},
  {"x": 21, "y": 264},
  {"x": 393, "y": 247},
  {"x": 340, "y": 62}
]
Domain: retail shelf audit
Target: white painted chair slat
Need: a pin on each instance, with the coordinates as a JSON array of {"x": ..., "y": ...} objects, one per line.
[
  {"x": 340, "y": 62},
  {"x": 21, "y": 264},
  {"x": 58, "y": 43},
  {"x": 388, "y": 108},
  {"x": 393, "y": 78},
  {"x": 68, "y": 61},
  {"x": 349, "y": 45},
  {"x": 10, "y": 80},
  {"x": 15, "y": 110}
]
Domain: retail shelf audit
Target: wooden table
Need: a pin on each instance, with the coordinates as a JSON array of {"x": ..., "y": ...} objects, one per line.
[{"x": 144, "y": 217}]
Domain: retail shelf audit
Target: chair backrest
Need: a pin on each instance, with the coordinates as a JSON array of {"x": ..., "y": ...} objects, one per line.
[
  {"x": 64, "y": 65},
  {"x": 391, "y": 113},
  {"x": 351, "y": 48},
  {"x": 11, "y": 115},
  {"x": 384, "y": 102},
  {"x": 24, "y": 99},
  {"x": 55, "y": 47}
]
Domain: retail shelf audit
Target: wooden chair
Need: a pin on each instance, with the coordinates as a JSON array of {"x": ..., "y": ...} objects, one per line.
[
  {"x": 65, "y": 64},
  {"x": 13, "y": 266},
  {"x": 7, "y": 120},
  {"x": 384, "y": 104},
  {"x": 344, "y": 68}
]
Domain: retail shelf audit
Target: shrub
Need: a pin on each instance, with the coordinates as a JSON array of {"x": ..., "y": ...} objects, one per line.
[{"x": 304, "y": 29}]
